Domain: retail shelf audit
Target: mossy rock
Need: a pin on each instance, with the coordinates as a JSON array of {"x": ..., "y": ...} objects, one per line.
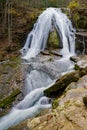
[
  {"x": 76, "y": 67},
  {"x": 7, "y": 102},
  {"x": 74, "y": 59},
  {"x": 62, "y": 83}
]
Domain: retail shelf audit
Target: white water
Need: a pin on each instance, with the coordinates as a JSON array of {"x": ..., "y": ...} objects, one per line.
[
  {"x": 32, "y": 82},
  {"x": 37, "y": 38}
]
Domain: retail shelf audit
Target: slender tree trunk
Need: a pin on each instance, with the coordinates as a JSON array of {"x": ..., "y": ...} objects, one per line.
[{"x": 10, "y": 22}]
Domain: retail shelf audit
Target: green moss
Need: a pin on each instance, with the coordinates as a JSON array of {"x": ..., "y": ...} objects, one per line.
[
  {"x": 7, "y": 102},
  {"x": 50, "y": 59},
  {"x": 64, "y": 81},
  {"x": 76, "y": 67},
  {"x": 13, "y": 63},
  {"x": 55, "y": 104}
]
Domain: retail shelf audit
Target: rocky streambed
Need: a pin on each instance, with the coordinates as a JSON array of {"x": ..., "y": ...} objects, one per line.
[{"x": 69, "y": 107}]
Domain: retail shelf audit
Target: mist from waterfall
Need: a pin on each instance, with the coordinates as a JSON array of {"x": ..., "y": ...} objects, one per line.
[{"x": 37, "y": 38}]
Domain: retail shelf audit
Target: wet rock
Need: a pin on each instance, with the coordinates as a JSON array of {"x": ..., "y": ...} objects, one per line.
[
  {"x": 64, "y": 81},
  {"x": 74, "y": 59},
  {"x": 56, "y": 52},
  {"x": 45, "y": 52}
]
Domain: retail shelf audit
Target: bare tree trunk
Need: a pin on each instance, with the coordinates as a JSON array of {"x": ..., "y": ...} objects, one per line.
[
  {"x": 5, "y": 16},
  {"x": 9, "y": 6}
]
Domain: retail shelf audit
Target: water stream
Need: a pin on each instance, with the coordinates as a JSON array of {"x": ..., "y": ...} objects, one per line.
[{"x": 39, "y": 80}]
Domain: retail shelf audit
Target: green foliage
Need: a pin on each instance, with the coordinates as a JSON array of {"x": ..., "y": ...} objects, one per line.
[
  {"x": 74, "y": 5},
  {"x": 76, "y": 18},
  {"x": 78, "y": 14},
  {"x": 53, "y": 40},
  {"x": 2, "y": 0}
]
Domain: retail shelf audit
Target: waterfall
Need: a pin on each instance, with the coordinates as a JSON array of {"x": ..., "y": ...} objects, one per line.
[
  {"x": 37, "y": 38},
  {"x": 38, "y": 80}
]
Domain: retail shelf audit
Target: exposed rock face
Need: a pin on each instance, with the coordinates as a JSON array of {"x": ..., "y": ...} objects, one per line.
[{"x": 70, "y": 118}]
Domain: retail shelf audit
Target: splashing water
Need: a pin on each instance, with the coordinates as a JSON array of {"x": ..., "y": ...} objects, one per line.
[{"x": 37, "y": 38}]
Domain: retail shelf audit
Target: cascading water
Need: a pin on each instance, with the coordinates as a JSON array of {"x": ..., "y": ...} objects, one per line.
[
  {"x": 37, "y": 38},
  {"x": 37, "y": 81},
  {"x": 31, "y": 105}
]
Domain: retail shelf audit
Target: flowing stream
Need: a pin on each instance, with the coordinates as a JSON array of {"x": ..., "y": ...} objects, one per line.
[{"x": 37, "y": 81}]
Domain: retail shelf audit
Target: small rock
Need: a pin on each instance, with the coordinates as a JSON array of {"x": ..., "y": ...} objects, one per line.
[
  {"x": 74, "y": 59},
  {"x": 56, "y": 52},
  {"x": 45, "y": 52},
  {"x": 78, "y": 103}
]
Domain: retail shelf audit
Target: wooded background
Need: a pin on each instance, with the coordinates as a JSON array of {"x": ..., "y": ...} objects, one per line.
[{"x": 9, "y": 7}]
